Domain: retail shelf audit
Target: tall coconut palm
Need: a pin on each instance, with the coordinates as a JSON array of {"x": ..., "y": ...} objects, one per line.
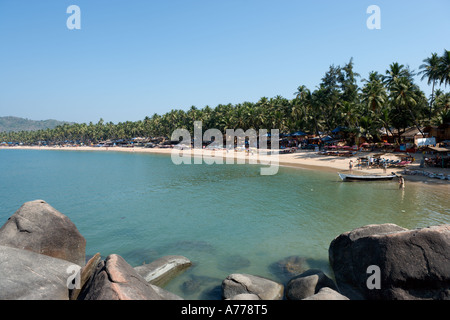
[
  {"x": 444, "y": 68},
  {"x": 430, "y": 70},
  {"x": 374, "y": 94},
  {"x": 407, "y": 100}
]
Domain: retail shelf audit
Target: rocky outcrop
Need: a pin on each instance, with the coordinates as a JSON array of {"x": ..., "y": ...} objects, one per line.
[
  {"x": 411, "y": 264},
  {"x": 84, "y": 275},
  {"x": 308, "y": 284},
  {"x": 245, "y": 296},
  {"x": 161, "y": 271},
  {"x": 26, "y": 275},
  {"x": 327, "y": 294},
  {"x": 36, "y": 226},
  {"x": 289, "y": 267},
  {"x": 265, "y": 289},
  {"x": 115, "y": 279}
]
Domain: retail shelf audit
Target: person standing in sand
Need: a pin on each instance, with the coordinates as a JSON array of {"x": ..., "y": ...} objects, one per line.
[{"x": 350, "y": 165}]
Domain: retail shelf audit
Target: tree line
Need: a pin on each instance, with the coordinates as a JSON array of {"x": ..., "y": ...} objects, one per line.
[{"x": 390, "y": 100}]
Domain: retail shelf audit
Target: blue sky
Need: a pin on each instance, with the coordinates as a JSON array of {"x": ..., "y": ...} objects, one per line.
[{"x": 135, "y": 58}]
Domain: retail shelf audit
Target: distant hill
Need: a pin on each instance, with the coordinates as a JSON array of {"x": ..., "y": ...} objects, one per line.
[{"x": 20, "y": 124}]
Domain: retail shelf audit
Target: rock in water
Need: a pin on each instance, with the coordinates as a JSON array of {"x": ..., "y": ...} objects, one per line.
[
  {"x": 161, "y": 271},
  {"x": 40, "y": 228},
  {"x": 327, "y": 294},
  {"x": 412, "y": 264},
  {"x": 289, "y": 267},
  {"x": 115, "y": 279},
  {"x": 26, "y": 275},
  {"x": 265, "y": 289},
  {"x": 308, "y": 284}
]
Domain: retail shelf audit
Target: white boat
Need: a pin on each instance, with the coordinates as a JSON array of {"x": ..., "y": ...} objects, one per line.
[{"x": 348, "y": 177}]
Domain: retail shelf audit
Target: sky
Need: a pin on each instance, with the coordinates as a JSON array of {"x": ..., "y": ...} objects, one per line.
[{"x": 132, "y": 59}]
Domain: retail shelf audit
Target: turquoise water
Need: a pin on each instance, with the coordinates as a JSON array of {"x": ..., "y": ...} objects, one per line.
[{"x": 225, "y": 218}]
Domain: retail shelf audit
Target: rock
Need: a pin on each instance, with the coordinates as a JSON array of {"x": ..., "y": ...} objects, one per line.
[
  {"x": 164, "y": 294},
  {"x": 307, "y": 284},
  {"x": 196, "y": 283},
  {"x": 163, "y": 270},
  {"x": 36, "y": 226},
  {"x": 264, "y": 288},
  {"x": 190, "y": 286},
  {"x": 85, "y": 274},
  {"x": 327, "y": 294},
  {"x": 234, "y": 262},
  {"x": 245, "y": 296},
  {"x": 115, "y": 279},
  {"x": 26, "y": 275},
  {"x": 212, "y": 293},
  {"x": 289, "y": 267},
  {"x": 413, "y": 264}
]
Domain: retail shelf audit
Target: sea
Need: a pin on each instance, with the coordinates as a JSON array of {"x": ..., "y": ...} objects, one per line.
[{"x": 224, "y": 218}]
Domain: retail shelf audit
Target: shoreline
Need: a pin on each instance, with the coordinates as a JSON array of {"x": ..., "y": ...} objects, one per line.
[{"x": 303, "y": 159}]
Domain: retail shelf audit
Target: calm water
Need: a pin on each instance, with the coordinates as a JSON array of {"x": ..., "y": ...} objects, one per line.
[{"x": 224, "y": 218}]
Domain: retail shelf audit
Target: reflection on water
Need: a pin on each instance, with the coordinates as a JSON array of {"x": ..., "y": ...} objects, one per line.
[{"x": 224, "y": 218}]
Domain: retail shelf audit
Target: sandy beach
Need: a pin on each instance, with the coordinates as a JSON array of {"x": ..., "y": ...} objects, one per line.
[{"x": 303, "y": 159}]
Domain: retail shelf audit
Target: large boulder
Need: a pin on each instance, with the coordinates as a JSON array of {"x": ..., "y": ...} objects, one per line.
[
  {"x": 327, "y": 294},
  {"x": 84, "y": 275},
  {"x": 36, "y": 226},
  {"x": 161, "y": 271},
  {"x": 115, "y": 279},
  {"x": 26, "y": 275},
  {"x": 265, "y": 289},
  {"x": 307, "y": 284},
  {"x": 390, "y": 262}
]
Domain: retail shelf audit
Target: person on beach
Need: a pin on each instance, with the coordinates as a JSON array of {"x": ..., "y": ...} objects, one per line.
[{"x": 350, "y": 165}]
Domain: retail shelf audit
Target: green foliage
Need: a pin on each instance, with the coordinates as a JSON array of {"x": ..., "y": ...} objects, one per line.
[
  {"x": 391, "y": 102},
  {"x": 8, "y": 124}
]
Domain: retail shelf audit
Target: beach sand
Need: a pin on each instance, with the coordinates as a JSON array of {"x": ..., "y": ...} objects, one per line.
[{"x": 304, "y": 159}]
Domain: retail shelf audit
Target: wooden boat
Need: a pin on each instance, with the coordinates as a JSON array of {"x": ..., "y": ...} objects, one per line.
[{"x": 348, "y": 177}]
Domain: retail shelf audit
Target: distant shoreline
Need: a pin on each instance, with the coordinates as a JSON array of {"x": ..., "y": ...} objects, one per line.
[{"x": 301, "y": 159}]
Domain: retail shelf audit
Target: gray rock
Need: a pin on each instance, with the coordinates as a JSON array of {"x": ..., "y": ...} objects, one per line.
[
  {"x": 161, "y": 271},
  {"x": 289, "y": 267},
  {"x": 265, "y": 289},
  {"x": 164, "y": 294},
  {"x": 413, "y": 264},
  {"x": 26, "y": 275},
  {"x": 36, "y": 226},
  {"x": 233, "y": 263},
  {"x": 327, "y": 294},
  {"x": 245, "y": 296},
  {"x": 115, "y": 279},
  {"x": 85, "y": 274},
  {"x": 307, "y": 284}
]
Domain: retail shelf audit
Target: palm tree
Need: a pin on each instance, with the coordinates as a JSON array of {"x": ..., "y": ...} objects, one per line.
[
  {"x": 442, "y": 107},
  {"x": 444, "y": 68},
  {"x": 430, "y": 69},
  {"x": 374, "y": 94},
  {"x": 406, "y": 98}
]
